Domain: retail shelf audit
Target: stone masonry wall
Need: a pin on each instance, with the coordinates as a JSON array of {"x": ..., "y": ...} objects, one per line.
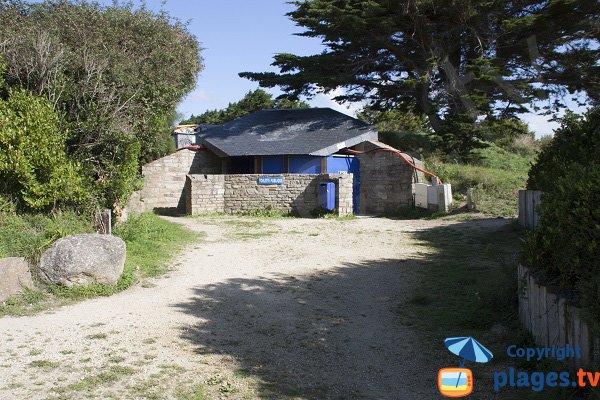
[
  {"x": 165, "y": 178},
  {"x": 242, "y": 193},
  {"x": 343, "y": 195},
  {"x": 205, "y": 194},
  {"x": 386, "y": 182}
]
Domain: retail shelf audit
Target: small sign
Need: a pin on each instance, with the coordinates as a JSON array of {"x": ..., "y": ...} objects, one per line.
[{"x": 270, "y": 180}]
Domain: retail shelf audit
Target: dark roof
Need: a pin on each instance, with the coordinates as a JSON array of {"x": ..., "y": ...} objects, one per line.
[{"x": 314, "y": 131}]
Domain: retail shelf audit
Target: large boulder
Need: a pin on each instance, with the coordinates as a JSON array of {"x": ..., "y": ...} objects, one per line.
[
  {"x": 14, "y": 277},
  {"x": 84, "y": 259}
]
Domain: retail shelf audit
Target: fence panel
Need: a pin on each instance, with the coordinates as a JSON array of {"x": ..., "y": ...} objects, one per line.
[
  {"x": 528, "y": 202},
  {"x": 553, "y": 321}
]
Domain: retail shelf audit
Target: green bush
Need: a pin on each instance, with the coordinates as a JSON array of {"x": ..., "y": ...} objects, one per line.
[
  {"x": 34, "y": 168},
  {"x": 564, "y": 249},
  {"x": 577, "y": 141}
]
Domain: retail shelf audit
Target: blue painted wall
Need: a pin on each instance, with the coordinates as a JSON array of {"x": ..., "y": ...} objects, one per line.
[
  {"x": 305, "y": 164},
  {"x": 335, "y": 165},
  {"x": 273, "y": 165}
]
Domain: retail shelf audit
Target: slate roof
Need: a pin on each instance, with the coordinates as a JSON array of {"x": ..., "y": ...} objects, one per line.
[{"x": 312, "y": 131}]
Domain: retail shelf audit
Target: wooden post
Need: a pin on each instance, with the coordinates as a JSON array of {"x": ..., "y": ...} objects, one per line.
[
  {"x": 470, "y": 202},
  {"x": 103, "y": 222}
]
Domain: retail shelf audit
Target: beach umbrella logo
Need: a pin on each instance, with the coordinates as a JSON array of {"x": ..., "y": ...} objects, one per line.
[{"x": 458, "y": 382}]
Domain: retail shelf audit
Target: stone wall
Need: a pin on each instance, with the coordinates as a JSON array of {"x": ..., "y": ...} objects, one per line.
[
  {"x": 386, "y": 182},
  {"x": 343, "y": 195},
  {"x": 241, "y": 193},
  {"x": 205, "y": 194},
  {"x": 165, "y": 178}
]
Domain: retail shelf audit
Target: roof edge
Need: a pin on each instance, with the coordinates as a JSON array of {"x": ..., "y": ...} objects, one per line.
[{"x": 329, "y": 150}]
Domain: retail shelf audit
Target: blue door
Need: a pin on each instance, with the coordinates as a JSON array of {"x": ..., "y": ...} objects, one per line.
[{"x": 347, "y": 164}]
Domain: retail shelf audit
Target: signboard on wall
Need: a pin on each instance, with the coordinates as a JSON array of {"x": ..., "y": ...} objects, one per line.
[{"x": 270, "y": 180}]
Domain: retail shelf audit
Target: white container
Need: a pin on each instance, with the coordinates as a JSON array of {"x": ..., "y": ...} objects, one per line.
[
  {"x": 421, "y": 195},
  {"x": 433, "y": 197}
]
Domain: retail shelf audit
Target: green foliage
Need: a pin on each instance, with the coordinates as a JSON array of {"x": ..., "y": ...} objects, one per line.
[
  {"x": 564, "y": 249},
  {"x": 454, "y": 62},
  {"x": 460, "y": 135},
  {"x": 151, "y": 243},
  {"x": 411, "y": 132},
  {"x": 34, "y": 167},
  {"x": 116, "y": 72},
  {"x": 504, "y": 131},
  {"x": 404, "y": 130},
  {"x": 468, "y": 280},
  {"x": 494, "y": 175},
  {"x": 253, "y": 101},
  {"x": 28, "y": 235},
  {"x": 577, "y": 141}
]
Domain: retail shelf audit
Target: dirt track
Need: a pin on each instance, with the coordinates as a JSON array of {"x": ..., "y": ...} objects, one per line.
[{"x": 261, "y": 308}]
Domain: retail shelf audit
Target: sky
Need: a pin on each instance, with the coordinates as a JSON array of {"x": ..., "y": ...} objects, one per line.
[{"x": 244, "y": 35}]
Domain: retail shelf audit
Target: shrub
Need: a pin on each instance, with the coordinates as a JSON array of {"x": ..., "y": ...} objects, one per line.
[
  {"x": 34, "y": 168},
  {"x": 564, "y": 249},
  {"x": 577, "y": 141}
]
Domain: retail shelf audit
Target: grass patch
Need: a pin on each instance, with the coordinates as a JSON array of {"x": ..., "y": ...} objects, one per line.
[
  {"x": 470, "y": 283},
  {"x": 251, "y": 235},
  {"x": 30, "y": 301},
  {"x": 195, "y": 392},
  {"x": 266, "y": 214},
  {"x": 28, "y": 235},
  {"x": 110, "y": 375},
  {"x": 151, "y": 244},
  {"x": 97, "y": 336},
  {"x": 495, "y": 175},
  {"x": 44, "y": 364},
  {"x": 468, "y": 287}
]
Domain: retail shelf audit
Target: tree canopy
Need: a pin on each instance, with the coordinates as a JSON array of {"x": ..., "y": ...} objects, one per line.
[
  {"x": 253, "y": 101},
  {"x": 454, "y": 61},
  {"x": 115, "y": 74}
]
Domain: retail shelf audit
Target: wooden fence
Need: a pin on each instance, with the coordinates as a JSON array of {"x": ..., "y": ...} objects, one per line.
[
  {"x": 553, "y": 321},
  {"x": 528, "y": 202}
]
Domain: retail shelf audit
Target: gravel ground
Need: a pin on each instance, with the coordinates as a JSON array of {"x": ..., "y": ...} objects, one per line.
[{"x": 259, "y": 308}]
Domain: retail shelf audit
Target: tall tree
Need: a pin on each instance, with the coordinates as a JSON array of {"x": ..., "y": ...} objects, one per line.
[
  {"x": 253, "y": 101},
  {"x": 454, "y": 61},
  {"x": 116, "y": 74}
]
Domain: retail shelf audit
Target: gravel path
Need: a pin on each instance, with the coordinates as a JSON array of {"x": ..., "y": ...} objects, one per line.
[{"x": 259, "y": 308}]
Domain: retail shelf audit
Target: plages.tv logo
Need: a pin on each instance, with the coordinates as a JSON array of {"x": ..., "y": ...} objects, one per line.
[{"x": 458, "y": 382}]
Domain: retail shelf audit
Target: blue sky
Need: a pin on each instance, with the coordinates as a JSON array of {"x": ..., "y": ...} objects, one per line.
[{"x": 243, "y": 35}]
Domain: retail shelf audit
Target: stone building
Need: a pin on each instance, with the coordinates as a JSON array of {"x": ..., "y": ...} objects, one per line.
[{"x": 277, "y": 160}]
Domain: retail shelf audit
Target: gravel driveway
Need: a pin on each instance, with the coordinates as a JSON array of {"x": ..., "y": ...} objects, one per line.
[{"x": 259, "y": 308}]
